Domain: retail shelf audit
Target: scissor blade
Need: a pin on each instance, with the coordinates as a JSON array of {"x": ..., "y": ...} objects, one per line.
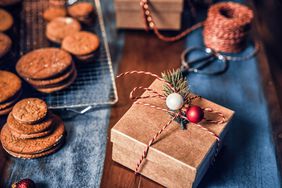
[{"x": 201, "y": 59}]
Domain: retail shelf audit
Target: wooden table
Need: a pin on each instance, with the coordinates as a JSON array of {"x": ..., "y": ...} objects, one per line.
[{"x": 139, "y": 53}]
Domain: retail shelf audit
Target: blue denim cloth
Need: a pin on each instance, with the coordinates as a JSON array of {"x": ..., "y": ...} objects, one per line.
[
  {"x": 80, "y": 162},
  {"x": 247, "y": 158}
]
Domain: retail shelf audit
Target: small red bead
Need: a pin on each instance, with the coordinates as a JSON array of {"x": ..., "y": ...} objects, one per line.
[{"x": 195, "y": 114}]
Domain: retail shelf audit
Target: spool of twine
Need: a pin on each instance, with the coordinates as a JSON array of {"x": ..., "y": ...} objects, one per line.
[{"x": 226, "y": 28}]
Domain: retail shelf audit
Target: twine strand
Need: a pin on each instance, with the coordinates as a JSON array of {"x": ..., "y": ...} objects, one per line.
[
  {"x": 225, "y": 30},
  {"x": 145, "y": 152},
  {"x": 174, "y": 114},
  {"x": 146, "y": 73}
]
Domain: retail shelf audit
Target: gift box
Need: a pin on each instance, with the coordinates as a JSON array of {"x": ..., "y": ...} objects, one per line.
[
  {"x": 166, "y": 14},
  {"x": 179, "y": 157}
]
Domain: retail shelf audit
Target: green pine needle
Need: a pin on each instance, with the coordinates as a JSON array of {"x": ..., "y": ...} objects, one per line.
[{"x": 177, "y": 80}]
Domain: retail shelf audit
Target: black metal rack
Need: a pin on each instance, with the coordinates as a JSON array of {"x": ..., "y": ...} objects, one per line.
[{"x": 95, "y": 84}]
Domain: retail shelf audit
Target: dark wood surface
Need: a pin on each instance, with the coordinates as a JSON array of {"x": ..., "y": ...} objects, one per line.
[
  {"x": 141, "y": 52},
  {"x": 267, "y": 29}
]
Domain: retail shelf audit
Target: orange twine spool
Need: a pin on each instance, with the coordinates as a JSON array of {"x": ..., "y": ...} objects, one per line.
[{"x": 226, "y": 28}]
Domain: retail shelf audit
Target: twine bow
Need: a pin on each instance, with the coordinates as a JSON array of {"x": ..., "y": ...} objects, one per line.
[{"x": 174, "y": 115}]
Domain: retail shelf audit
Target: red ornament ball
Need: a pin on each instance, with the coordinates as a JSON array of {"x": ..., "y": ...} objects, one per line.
[
  {"x": 195, "y": 114},
  {"x": 24, "y": 183}
]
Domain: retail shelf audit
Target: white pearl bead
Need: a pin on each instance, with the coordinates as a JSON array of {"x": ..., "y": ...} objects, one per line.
[{"x": 174, "y": 101}]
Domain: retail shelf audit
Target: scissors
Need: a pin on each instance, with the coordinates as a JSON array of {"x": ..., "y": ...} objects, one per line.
[{"x": 200, "y": 65}]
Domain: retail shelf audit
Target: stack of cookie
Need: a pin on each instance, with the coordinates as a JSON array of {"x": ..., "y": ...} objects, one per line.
[
  {"x": 31, "y": 130},
  {"x": 10, "y": 91},
  {"x": 47, "y": 69},
  {"x": 83, "y": 45},
  {"x": 82, "y": 11}
]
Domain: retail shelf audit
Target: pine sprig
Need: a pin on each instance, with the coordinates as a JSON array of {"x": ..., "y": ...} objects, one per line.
[{"x": 177, "y": 81}]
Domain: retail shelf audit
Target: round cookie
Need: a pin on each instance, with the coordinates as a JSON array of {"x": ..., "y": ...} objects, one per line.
[
  {"x": 5, "y": 44},
  {"x": 9, "y": 2},
  {"x": 27, "y": 129},
  {"x": 59, "y": 28},
  {"x": 32, "y": 146},
  {"x": 49, "y": 82},
  {"x": 54, "y": 12},
  {"x": 12, "y": 101},
  {"x": 87, "y": 57},
  {"x": 6, "y": 111},
  {"x": 10, "y": 85},
  {"x": 6, "y": 20},
  {"x": 81, "y": 10},
  {"x": 37, "y": 155},
  {"x": 57, "y": 3},
  {"x": 30, "y": 136},
  {"x": 30, "y": 110},
  {"x": 44, "y": 63},
  {"x": 81, "y": 43},
  {"x": 59, "y": 87}
]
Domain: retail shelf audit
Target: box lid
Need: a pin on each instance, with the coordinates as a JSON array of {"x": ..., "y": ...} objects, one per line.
[
  {"x": 186, "y": 149},
  {"x": 155, "y": 5}
]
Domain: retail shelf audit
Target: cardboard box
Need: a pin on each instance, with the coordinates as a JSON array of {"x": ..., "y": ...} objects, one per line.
[
  {"x": 179, "y": 158},
  {"x": 166, "y": 14}
]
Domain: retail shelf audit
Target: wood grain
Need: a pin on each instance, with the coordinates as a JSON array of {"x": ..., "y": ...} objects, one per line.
[
  {"x": 142, "y": 51},
  {"x": 268, "y": 30},
  {"x": 270, "y": 66}
]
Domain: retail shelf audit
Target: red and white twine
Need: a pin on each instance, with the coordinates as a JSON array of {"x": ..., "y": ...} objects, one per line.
[
  {"x": 225, "y": 29},
  {"x": 146, "y": 73},
  {"x": 145, "y": 152},
  {"x": 150, "y": 24},
  {"x": 174, "y": 115}
]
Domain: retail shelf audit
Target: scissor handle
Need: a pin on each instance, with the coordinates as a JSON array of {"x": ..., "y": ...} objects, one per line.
[{"x": 189, "y": 66}]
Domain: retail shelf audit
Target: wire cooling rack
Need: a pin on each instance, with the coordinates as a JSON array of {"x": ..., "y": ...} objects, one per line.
[{"x": 95, "y": 83}]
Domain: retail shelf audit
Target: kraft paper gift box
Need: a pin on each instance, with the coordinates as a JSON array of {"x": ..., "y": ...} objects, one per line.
[
  {"x": 166, "y": 13},
  {"x": 178, "y": 158}
]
